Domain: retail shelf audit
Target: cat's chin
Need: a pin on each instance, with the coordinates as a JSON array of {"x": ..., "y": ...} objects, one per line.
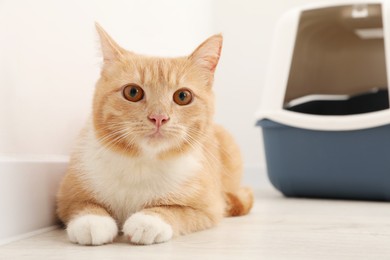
[{"x": 156, "y": 143}]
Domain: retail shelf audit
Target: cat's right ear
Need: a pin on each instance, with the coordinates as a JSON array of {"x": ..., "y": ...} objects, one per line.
[{"x": 110, "y": 49}]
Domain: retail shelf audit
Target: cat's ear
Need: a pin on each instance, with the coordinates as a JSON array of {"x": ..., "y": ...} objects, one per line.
[
  {"x": 110, "y": 49},
  {"x": 207, "y": 54}
]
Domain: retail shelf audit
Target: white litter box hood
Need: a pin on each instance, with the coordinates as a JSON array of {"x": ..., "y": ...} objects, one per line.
[{"x": 328, "y": 49}]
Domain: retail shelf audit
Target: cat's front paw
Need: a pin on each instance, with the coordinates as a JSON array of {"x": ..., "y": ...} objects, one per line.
[
  {"x": 147, "y": 229},
  {"x": 92, "y": 230}
]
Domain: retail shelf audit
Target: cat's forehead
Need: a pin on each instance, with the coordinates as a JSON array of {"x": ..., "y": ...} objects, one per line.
[{"x": 151, "y": 71}]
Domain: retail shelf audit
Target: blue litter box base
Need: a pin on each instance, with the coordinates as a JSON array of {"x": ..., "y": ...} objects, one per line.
[{"x": 328, "y": 164}]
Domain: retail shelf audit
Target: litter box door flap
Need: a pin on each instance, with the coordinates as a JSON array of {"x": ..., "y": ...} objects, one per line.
[{"x": 339, "y": 50}]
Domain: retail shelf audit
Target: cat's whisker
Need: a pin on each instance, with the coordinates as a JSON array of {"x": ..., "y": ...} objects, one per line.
[
  {"x": 196, "y": 136},
  {"x": 111, "y": 139},
  {"x": 213, "y": 143},
  {"x": 211, "y": 158},
  {"x": 194, "y": 144},
  {"x": 217, "y": 160}
]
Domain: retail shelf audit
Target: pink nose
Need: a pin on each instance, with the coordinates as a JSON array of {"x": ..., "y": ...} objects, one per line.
[{"x": 158, "y": 119}]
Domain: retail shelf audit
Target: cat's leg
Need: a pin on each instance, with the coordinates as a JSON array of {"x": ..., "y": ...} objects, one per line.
[
  {"x": 160, "y": 224},
  {"x": 92, "y": 226},
  {"x": 147, "y": 229},
  {"x": 87, "y": 222}
]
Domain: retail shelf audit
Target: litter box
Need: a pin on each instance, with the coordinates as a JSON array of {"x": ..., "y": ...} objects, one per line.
[{"x": 324, "y": 110}]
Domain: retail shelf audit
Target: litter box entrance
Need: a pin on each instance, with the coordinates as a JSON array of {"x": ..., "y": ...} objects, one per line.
[{"x": 338, "y": 65}]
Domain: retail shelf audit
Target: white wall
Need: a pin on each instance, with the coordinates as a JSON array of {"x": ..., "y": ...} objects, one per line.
[{"x": 49, "y": 61}]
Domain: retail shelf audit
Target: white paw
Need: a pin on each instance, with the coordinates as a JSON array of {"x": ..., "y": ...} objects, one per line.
[
  {"x": 92, "y": 230},
  {"x": 147, "y": 229}
]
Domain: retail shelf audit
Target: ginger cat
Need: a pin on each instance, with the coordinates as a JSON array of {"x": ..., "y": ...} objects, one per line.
[{"x": 150, "y": 161}]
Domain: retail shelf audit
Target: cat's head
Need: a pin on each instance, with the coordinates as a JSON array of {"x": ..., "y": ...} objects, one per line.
[{"x": 154, "y": 105}]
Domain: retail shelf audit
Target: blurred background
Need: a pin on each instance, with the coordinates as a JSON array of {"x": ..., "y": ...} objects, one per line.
[{"x": 49, "y": 62}]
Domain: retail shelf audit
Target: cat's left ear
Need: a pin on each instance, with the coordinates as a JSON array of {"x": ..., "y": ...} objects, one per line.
[
  {"x": 110, "y": 49},
  {"x": 208, "y": 53}
]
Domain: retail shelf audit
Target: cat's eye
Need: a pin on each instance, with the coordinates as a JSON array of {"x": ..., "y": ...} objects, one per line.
[
  {"x": 183, "y": 97},
  {"x": 133, "y": 92}
]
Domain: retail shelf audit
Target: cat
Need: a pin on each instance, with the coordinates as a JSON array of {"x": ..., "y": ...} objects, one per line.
[{"x": 150, "y": 162}]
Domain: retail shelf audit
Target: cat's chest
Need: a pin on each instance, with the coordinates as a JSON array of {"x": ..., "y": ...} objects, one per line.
[{"x": 126, "y": 184}]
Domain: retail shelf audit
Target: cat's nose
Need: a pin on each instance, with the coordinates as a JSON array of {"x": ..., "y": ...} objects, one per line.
[{"x": 158, "y": 119}]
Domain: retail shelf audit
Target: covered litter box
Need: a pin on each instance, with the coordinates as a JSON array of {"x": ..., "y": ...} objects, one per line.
[{"x": 324, "y": 111}]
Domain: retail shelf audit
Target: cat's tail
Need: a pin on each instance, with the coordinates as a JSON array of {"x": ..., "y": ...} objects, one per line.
[{"x": 239, "y": 203}]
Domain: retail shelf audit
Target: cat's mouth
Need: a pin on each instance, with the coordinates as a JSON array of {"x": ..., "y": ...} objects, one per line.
[{"x": 157, "y": 134}]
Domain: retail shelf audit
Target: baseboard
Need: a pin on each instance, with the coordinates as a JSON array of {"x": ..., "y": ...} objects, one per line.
[
  {"x": 28, "y": 186},
  {"x": 27, "y": 235}
]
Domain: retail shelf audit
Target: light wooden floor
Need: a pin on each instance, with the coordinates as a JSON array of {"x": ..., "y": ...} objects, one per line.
[{"x": 277, "y": 228}]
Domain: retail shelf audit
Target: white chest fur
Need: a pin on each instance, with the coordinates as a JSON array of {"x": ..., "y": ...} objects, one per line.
[{"x": 125, "y": 184}]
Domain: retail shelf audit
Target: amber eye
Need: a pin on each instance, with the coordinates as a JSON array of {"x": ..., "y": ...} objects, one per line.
[
  {"x": 133, "y": 92},
  {"x": 182, "y": 97}
]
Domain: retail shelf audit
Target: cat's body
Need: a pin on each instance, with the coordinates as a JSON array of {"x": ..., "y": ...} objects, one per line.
[{"x": 151, "y": 161}]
